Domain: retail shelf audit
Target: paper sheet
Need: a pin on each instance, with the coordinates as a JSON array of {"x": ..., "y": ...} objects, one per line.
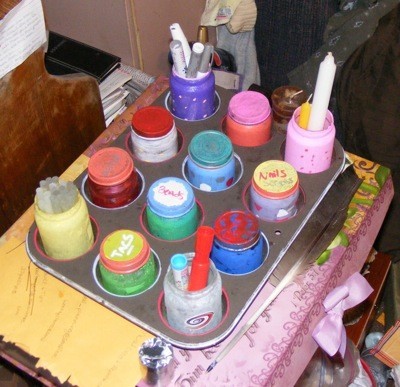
[
  {"x": 74, "y": 337},
  {"x": 22, "y": 31}
]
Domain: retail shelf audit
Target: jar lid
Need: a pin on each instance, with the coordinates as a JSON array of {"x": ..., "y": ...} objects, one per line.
[
  {"x": 275, "y": 179},
  {"x": 237, "y": 229},
  {"x": 249, "y": 107},
  {"x": 124, "y": 251},
  {"x": 210, "y": 148},
  {"x": 152, "y": 121},
  {"x": 170, "y": 197},
  {"x": 110, "y": 166}
]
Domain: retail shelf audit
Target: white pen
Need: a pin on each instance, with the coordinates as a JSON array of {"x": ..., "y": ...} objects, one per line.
[
  {"x": 180, "y": 271},
  {"x": 177, "y": 34},
  {"x": 178, "y": 58}
]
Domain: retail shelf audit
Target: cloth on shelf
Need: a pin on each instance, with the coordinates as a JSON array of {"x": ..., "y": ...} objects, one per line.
[
  {"x": 244, "y": 17},
  {"x": 242, "y": 47},
  {"x": 218, "y": 12}
]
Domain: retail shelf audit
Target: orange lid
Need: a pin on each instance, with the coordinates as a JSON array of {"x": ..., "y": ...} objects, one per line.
[
  {"x": 124, "y": 251},
  {"x": 275, "y": 179},
  {"x": 152, "y": 121},
  {"x": 110, "y": 166}
]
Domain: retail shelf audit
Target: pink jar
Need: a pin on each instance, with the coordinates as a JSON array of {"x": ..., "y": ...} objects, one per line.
[{"x": 249, "y": 119}]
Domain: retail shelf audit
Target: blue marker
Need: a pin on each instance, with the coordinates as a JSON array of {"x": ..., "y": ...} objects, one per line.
[{"x": 179, "y": 267}]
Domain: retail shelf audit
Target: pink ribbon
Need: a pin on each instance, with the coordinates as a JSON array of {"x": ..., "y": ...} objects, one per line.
[{"x": 330, "y": 333}]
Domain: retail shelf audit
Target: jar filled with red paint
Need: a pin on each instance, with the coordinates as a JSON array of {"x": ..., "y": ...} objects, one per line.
[{"x": 112, "y": 178}]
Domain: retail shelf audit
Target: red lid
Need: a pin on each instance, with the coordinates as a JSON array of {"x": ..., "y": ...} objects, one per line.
[
  {"x": 237, "y": 228},
  {"x": 124, "y": 251},
  {"x": 152, "y": 121},
  {"x": 275, "y": 179},
  {"x": 110, "y": 166}
]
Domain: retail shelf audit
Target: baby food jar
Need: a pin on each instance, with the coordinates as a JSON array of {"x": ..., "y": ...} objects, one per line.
[
  {"x": 112, "y": 178},
  {"x": 127, "y": 265},
  {"x": 238, "y": 245},
  {"x": 211, "y": 162},
  {"x": 171, "y": 210},
  {"x": 274, "y": 191},
  {"x": 154, "y": 134},
  {"x": 249, "y": 119}
]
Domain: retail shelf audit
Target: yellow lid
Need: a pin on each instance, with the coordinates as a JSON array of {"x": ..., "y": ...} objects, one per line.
[{"x": 275, "y": 179}]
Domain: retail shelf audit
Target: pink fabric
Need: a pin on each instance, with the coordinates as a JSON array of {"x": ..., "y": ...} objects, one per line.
[{"x": 330, "y": 333}]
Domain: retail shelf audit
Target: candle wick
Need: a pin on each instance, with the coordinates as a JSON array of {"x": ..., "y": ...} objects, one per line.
[
  {"x": 308, "y": 99},
  {"x": 293, "y": 95}
]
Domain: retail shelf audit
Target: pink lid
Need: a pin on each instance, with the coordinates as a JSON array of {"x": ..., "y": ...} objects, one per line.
[{"x": 249, "y": 107}]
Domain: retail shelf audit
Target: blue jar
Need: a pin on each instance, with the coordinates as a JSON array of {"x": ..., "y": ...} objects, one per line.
[
  {"x": 171, "y": 211},
  {"x": 211, "y": 162},
  {"x": 238, "y": 246}
]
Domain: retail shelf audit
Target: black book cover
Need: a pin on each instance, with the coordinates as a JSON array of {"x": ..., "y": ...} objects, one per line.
[{"x": 67, "y": 56}]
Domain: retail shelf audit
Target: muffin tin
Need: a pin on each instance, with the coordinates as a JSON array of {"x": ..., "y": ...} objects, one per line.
[{"x": 147, "y": 309}]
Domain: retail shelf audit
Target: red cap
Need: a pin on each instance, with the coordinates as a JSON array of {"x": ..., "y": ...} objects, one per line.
[
  {"x": 152, "y": 121},
  {"x": 110, "y": 166}
]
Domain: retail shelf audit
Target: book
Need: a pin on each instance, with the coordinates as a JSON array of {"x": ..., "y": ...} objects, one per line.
[{"x": 67, "y": 56}]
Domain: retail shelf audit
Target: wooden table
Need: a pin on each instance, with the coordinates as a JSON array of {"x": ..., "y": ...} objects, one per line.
[{"x": 60, "y": 336}]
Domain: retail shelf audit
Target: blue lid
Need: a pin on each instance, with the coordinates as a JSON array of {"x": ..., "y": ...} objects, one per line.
[
  {"x": 210, "y": 148},
  {"x": 170, "y": 197},
  {"x": 179, "y": 262}
]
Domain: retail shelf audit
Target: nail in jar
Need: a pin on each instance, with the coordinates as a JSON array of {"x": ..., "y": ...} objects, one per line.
[
  {"x": 274, "y": 191},
  {"x": 310, "y": 151},
  {"x": 154, "y": 134},
  {"x": 112, "y": 178},
  {"x": 126, "y": 264},
  {"x": 211, "y": 163},
  {"x": 248, "y": 122},
  {"x": 171, "y": 210},
  {"x": 238, "y": 245},
  {"x": 192, "y": 99}
]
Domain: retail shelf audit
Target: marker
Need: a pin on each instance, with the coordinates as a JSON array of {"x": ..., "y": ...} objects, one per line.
[
  {"x": 206, "y": 59},
  {"x": 179, "y": 267},
  {"x": 198, "y": 278},
  {"x": 178, "y": 58},
  {"x": 177, "y": 34},
  {"x": 195, "y": 58}
]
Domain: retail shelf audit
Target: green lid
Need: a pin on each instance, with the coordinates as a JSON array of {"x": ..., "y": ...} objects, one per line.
[{"x": 210, "y": 148}]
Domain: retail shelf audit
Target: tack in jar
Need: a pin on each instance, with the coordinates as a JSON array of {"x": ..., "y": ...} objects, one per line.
[
  {"x": 211, "y": 162},
  {"x": 154, "y": 135}
]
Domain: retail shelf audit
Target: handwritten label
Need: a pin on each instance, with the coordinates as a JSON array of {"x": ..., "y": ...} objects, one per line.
[
  {"x": 170, "y": 193},
  {"x": 22, "y": 32},
  {"x": 123, "y": 245}
]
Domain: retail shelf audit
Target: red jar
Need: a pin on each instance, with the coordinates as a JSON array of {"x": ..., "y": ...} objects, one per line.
[{"x": 112, "y": 178}]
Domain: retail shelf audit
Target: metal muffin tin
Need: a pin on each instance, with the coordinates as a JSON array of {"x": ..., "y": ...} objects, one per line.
[{"x": 146, "y": 310}]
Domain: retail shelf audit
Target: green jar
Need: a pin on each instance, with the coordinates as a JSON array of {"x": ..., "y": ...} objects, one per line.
[
  {"x": 171, "y": 210},
  {"x": 127, "y": 265}
]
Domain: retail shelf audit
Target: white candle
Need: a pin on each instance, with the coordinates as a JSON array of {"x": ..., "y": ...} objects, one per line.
[{"x": 322, "y": 93}]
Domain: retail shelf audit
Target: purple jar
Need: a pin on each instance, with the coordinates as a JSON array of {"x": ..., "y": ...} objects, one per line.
[{"x": 192, "y": 99}]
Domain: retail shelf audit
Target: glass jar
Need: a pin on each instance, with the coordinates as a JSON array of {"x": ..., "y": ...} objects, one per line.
[
  {"x": 127, "y": 266},
  {"x": 171, "y": 210},
  {"x": 192, "y": 99},
  {"x": 154, "y": 134},
  {"x": 65, "y": 235},
  {"x": 310, "y": 151},
  {"x": 248, "y": 122},
  {"x": 238, "y": 245},
  {"x": 274, "y": 191},
  {"x": 211, "y": 163},
  {"x": 112, "y": 178}
]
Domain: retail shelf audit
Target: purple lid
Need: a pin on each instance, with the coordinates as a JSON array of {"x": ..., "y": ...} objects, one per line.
[{"x": 249, "y": 107}]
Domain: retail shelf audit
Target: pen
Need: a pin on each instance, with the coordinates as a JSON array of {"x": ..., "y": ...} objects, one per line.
[
  {"x": 206, "y": 59},
  {"x": 178, "y": 57},
  {"x": 179, "y": 267},
  {"x": 177, "y": 34},
  {"x": 201, "y": 261},
  {"x": 195, "y": 58}
]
